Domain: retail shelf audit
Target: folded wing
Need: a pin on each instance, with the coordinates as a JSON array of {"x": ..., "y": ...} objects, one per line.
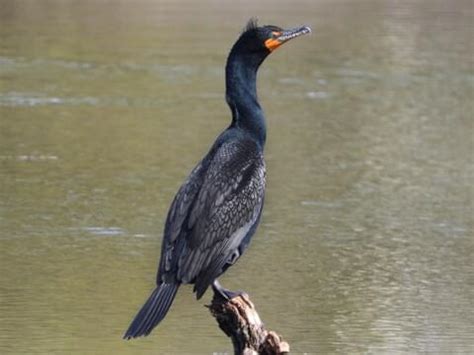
[{"x": 213, "y": 215}]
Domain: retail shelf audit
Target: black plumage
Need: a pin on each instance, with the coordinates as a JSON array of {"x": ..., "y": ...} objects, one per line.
[{"x": 217, "y": 209}]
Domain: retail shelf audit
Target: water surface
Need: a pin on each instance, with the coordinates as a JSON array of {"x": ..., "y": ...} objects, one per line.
[{"x": 366, "y": 242}]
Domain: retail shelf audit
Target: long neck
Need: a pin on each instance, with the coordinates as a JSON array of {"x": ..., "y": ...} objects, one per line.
[{"x": 241, "y": 94}]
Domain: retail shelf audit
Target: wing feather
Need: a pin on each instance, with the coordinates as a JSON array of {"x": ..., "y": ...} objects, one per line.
[{"x": 213, "y": 212}]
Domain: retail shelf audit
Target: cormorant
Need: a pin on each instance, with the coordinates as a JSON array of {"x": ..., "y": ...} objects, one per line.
[{"x": 217, "y": 209}]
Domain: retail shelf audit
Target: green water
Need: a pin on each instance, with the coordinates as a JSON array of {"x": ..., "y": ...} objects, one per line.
[{"x": 366, "y": 243}]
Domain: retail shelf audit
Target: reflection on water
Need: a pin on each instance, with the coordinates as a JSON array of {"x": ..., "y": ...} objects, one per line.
[{"x": 366, "y": 239}]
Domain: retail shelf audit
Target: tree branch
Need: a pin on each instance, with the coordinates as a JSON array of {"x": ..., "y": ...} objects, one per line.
[{"x": 239, "y": 320}]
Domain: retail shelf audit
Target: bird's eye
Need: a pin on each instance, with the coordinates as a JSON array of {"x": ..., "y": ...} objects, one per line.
[{"x": 276, "y": 34}]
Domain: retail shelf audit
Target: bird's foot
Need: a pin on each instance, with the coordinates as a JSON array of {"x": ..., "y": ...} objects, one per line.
[{"x": 224, "y": 293}]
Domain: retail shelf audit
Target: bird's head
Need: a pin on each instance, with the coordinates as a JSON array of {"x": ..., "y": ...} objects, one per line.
[{"x": 262, "y": 40}]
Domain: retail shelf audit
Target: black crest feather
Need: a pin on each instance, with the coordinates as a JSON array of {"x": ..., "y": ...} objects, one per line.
[{"x": 251, "y": 24}]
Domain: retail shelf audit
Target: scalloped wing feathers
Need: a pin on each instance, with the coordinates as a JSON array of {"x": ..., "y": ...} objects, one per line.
[{"x": 212, "y": 213}]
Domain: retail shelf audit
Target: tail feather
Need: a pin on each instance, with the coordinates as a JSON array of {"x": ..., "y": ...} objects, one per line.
[{"x": 153, "y": 311}]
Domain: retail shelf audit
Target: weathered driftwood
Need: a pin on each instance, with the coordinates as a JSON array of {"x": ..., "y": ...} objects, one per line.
[{"x": 239, "y": 320}]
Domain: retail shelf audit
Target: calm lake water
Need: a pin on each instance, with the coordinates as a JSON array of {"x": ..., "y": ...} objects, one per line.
[{"x": 366, "y": 243}]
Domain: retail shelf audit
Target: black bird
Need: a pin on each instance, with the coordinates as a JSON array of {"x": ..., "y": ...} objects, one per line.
[{"x": 217, "y": 209}]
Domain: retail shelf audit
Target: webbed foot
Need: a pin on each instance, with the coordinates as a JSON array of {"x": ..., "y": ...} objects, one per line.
[{"x": 224, "y": 293}]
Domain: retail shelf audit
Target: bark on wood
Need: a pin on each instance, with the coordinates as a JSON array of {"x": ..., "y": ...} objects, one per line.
[{"x": 240, "y": 321}]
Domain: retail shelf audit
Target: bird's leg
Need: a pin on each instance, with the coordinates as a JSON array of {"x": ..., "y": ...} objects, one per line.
[{"x": 223, "y": 292}]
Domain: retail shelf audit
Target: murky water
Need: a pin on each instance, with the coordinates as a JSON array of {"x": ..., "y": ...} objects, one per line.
[{"x": 366, "y": 242}]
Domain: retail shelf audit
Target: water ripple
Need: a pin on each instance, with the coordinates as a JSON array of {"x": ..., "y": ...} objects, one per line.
[
  {"x": 18, "y": 99},
  {"x": 106, "y": 231},
  {"x": 30, "y": 157}
]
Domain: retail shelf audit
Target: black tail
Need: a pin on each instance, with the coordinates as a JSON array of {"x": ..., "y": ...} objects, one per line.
[{"x": 153, "y": 311}]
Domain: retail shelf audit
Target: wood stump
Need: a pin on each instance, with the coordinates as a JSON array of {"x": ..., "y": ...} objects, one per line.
[{"x": 240, "y": 321}]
